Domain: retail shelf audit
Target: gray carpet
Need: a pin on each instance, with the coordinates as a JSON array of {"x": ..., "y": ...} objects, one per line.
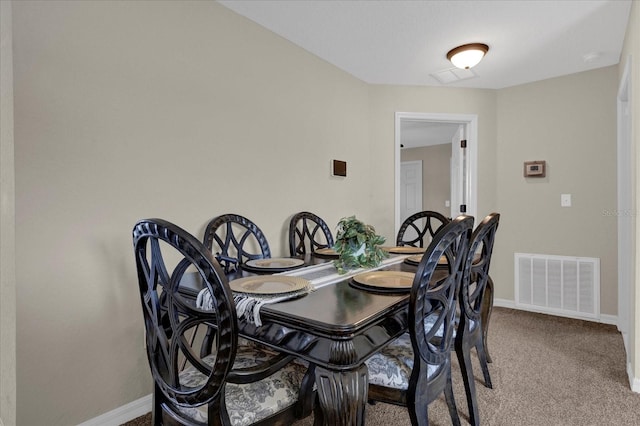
[{"x": 546, "y": 370}]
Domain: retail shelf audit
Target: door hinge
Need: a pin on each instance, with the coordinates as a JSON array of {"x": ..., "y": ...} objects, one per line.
[{"x": 463, "y": 143}]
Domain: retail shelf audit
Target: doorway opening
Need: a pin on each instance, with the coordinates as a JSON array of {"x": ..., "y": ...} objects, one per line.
[{"x": 462, "y": 179}]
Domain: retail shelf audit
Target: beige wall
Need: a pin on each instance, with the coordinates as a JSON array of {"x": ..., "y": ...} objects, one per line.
[
  {"x": 184, "y": 110},
  {"x": 570, "y": 122},
  {"x": 7, "y": 229},
  {"x": 128, "y": 110},
  {"x": 631, "y": 52},
  {"x": 436, "y": 175}
]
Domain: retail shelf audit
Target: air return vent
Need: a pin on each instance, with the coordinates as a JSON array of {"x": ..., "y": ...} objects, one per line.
[{"x": 559, "y": 285}]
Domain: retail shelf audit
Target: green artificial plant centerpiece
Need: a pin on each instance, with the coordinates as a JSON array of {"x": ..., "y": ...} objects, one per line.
[{"x": 358, "y": 245}]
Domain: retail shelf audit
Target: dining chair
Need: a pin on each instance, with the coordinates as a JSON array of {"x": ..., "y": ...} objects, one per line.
[
  {"x": 487, "y": 309},
  {"x": 419, "y": 229},
  {"x": 307, "y": 233},
  {"x": 414, "y": 369},
  {"x": 237, "y": 240},
  {"x": 471, "y": 332},
  {"x": 210, "y": 381}
]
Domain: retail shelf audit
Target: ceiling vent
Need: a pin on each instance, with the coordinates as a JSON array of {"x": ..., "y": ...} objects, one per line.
[{"x": 451, "y": 75}]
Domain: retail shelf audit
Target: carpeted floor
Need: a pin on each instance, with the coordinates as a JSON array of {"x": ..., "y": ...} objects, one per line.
[{"x": 546, "y": 370}]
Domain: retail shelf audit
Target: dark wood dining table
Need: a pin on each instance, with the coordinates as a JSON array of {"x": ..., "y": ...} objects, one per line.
[{"x": 336, "y": 328}]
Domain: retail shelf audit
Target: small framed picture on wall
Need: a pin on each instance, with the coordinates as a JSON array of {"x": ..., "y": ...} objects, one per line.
[{"x": 535, "y": 168}]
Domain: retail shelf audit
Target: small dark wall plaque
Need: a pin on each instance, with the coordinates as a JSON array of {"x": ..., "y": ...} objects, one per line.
[
  {"x": 339, "y": 168},
  {"x": 535, "y": 169}
]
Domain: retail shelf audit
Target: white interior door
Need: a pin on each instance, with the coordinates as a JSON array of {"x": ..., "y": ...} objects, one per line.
[{"x": 410, "y": 191}]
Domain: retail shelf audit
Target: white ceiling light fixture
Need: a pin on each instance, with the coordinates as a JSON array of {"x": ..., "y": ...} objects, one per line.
[{"x": 467, "y": 55}]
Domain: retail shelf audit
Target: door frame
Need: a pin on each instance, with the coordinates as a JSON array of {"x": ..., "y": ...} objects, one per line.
[
  {"x": 470, "y": 121},
  {"x": 625, "y": 210}
]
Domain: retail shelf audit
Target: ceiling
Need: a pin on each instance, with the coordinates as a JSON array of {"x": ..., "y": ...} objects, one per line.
[
  {"x": 419, "y": 133},
  {"x": 405, "y": 42}
]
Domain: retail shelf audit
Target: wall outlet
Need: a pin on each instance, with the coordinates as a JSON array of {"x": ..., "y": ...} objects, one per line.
[{"x": 565, "y": 200}]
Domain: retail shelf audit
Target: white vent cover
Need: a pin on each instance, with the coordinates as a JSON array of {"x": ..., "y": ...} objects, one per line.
[
  {"x": 560, "y": 285},
  {"x": 451, "y": 75}
]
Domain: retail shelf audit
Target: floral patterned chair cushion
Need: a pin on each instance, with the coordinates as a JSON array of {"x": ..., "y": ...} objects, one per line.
[
  {"x": 391, "y": 367},
  {"x": 252, "y": 402}
]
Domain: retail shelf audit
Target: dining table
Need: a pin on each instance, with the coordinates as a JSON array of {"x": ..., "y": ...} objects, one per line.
[{"x": 336, "y": 326}]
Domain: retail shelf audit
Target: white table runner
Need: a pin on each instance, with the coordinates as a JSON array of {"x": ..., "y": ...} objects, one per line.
[{"x": 325, "y": 273}]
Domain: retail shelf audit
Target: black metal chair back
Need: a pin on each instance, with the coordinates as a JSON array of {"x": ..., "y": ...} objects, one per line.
[
  {"x": 436, "y": 298},
  {"x": 479, "y": 257},
  {"x": 432, "y": 311},
  {"x": 307, "y": 233},
  {"x": 424, "y": 225},
  {"x": 157, "y": 243},
  {"x": 237, "y": 240},
  {"x": 195, "y": 382},
  {"x": 471, "y": 330}
]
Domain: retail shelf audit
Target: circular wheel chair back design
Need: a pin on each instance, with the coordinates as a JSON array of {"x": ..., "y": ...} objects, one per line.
[
  {"x": 197, "y": 384},
  {"x": 422, "y": 371},
  {"x": 237, "y": 240},
  {"x": 423, "y": 225},
  {"x": 307, "y": 228},
  {"x": 472, "y": 327}
]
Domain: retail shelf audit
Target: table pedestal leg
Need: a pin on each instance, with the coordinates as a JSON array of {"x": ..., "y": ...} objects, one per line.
[{"x": 343, "y": 395}]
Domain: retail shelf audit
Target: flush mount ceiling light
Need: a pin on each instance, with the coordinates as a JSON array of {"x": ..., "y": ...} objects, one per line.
[{"x": 467, "y": 55}]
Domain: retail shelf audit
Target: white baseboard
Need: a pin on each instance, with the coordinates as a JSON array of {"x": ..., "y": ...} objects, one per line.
[
  {"x": 634, "y": 381},
  {"x": 123, "y": 414},
  {"x": 506, "y": 303},
  {"x": 609, "y": 319}
]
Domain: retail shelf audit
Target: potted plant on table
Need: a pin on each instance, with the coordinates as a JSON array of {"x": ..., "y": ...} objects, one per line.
[{"x": 357, "y": 245}]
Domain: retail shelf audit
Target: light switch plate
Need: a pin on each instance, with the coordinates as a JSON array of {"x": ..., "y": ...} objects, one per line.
[{"x": 565, "y": 200}]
